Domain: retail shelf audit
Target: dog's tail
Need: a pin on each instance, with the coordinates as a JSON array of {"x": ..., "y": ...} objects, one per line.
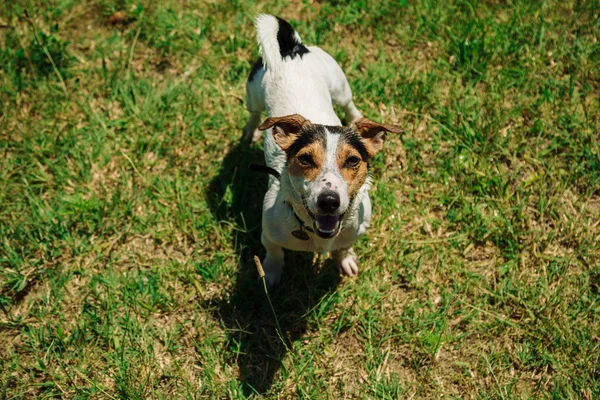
[{"x": 277, "y": 40}]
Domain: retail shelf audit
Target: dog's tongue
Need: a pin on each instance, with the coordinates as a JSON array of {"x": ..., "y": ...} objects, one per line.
[{"x": 327, "y": 223}]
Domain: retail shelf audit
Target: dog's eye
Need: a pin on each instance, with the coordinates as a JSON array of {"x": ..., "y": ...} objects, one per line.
[
  {"x": 306, "y": 160},
  {"x": 352, "y": 161}
]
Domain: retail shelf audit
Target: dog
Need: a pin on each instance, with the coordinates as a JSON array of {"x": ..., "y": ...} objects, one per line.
[{"x": 318, "y": 201}]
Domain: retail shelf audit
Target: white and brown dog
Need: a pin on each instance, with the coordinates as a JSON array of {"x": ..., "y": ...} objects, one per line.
[{"x": 321, "y": 201}]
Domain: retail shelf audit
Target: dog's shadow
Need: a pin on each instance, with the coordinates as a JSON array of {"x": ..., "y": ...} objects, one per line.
[{"x": 235, "y": 195}]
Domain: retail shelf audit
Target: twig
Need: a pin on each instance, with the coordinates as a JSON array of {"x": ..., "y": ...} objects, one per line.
[
  {"x": 131, "y": 51},
  {"x": 133, "y": 166},
  {"x": 261, "y": 274}
]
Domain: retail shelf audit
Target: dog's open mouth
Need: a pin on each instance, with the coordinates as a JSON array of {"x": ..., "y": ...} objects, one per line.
[{"x": 327, "y": 226}]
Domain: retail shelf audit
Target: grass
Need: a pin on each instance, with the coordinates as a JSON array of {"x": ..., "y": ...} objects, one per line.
[{"x": 128, "y": 220}]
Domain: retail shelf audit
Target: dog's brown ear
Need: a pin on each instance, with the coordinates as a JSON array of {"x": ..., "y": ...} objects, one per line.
[
  {"x": 285, "y": 129},
  {"x": 373, "y": 133}
]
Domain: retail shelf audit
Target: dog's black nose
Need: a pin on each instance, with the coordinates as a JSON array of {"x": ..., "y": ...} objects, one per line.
[{"x": 328, "y": 201}]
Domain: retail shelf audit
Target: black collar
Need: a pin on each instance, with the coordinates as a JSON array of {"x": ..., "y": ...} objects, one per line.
[
  {"x": 302, "y": 224},
  {"x": 298, "y": 233},
  {"x": 301, "y": 232}
]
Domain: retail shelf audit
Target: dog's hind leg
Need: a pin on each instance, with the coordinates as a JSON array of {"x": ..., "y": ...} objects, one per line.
[
  {"x": 339, "y": 88},
  {"x": 351, "y": 113},
  {"x": 255, "y": 101},
  {"x": 253, "y": 122},
  {"x": 342, "y": 96}
]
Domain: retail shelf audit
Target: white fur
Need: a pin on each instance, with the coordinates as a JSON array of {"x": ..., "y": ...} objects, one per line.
[
  {"x": 306, "y": 85},
  {"x": 309, "y": 85},
  {"x": 266, "y": 34},
  {"x": 330, "y": 177}
]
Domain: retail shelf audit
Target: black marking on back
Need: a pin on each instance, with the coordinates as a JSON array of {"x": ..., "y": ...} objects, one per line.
[
  {"x": 255, "y": 68},
  {"x": 288, "y": 44}
]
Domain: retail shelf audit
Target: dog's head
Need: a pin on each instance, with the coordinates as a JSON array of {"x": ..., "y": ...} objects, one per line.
[{"x": 327, "y": 165}]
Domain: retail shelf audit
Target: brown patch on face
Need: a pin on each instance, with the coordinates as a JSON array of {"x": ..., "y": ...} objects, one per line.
[
  {"x": 308, "y": 161},
  {"x": 352, "y": 167}
]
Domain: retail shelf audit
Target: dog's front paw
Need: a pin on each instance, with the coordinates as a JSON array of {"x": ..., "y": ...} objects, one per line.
[
  {"x": 273, "y": 270},
  {"x": 347, "y": 262}
]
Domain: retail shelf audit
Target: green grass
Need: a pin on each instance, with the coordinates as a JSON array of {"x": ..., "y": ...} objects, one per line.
[{"x": 128, "y": 219}]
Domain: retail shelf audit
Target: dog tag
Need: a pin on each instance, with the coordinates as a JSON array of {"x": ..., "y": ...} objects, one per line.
[{"x": 300, "y": 234}]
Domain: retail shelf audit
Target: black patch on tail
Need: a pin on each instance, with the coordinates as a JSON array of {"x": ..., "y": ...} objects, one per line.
[
  {"x": 255, "y": 68},
  {"x": 288, "y": 44}
]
